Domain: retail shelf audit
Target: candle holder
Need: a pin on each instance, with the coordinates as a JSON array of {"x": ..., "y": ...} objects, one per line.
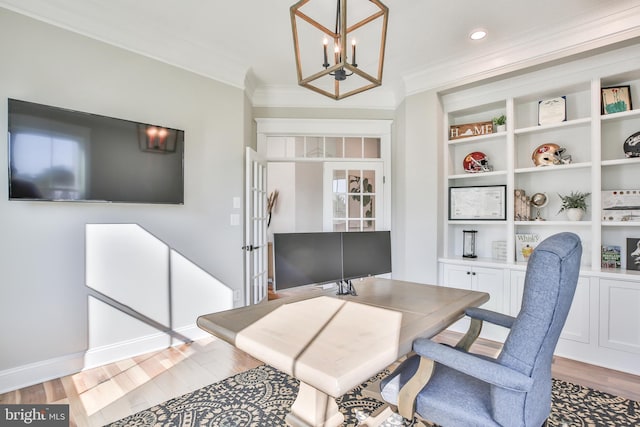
[{"x": 469, "y": 243}]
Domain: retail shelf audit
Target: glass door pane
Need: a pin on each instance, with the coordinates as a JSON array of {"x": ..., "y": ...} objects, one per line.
[{"x": 352, "y": 191}]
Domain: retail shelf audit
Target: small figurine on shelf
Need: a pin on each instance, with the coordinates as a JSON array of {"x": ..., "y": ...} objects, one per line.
[{"x": 539, "y": 200}]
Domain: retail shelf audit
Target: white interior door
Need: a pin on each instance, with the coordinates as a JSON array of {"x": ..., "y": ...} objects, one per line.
[
  {"x": 255, "y": 245},
  {"x": 353, "y": 197}
]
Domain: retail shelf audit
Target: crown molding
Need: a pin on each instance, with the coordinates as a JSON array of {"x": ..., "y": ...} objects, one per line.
[
  {"x": 601, "y": 32},
  {"x": 181, "y": 53},
  {"x": 290, "y": 96}
]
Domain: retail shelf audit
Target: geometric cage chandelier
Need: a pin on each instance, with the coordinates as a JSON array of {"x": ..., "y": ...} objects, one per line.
[{"x": 326, "y": 45}]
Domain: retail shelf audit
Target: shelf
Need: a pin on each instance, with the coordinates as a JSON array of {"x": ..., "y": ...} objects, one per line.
[
  {"x": 477, "y": 222},
  {"x": 541, "y": 169},
  {"x": 477, "y": 175},
  {"x": 554, "y": 223},
  {"x": 481, "y": 262},
  {"x": 621, "y": 223},
  {"x": 476, "y": 138},
  {"x": 542, "y": 128},
  {"x": 618, "y": 162},
  {"x": 620, "y": 116}
]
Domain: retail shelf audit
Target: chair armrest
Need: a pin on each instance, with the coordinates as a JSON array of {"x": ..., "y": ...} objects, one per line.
[
  {"x": 470, "y": 364},
  {"x": 490, "y": 316}
]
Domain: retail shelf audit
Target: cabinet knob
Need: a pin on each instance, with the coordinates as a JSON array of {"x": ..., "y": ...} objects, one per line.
[
  {"x": 468, "y": 272},
  {"x": 473, "y": 274}
]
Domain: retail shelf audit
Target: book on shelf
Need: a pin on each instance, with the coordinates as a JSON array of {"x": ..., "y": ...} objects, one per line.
[
  {"x": 610, "y": 257},
  {"x": 525, "y": 244}
]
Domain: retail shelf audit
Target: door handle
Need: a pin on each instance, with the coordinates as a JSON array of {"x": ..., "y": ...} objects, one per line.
[{"x": 249, "y": 248}]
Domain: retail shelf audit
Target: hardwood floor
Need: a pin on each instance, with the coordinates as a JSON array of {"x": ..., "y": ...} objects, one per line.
[{"x": 105, "y": 394}]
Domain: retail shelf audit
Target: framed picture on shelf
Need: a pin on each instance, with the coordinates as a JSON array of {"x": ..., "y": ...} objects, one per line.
[
  {"x": 486, "y": 202},
  {"x": 552, "y": 110},
  {"x": 633, "y": 253},
  {"x": 616, "y": 99},
  {"x": 621, "y": 205}
]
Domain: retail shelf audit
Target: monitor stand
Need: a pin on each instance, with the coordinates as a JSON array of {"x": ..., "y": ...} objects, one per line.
[{"x": 345, "y": 287}]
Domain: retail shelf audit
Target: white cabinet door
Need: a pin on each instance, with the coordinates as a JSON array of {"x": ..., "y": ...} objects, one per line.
[
  {"x": 620, "y": 315},
  {"x": 491, "y": 281},
  {"x": 483, "y": 279},
  {"x": 457, "y": 276}
]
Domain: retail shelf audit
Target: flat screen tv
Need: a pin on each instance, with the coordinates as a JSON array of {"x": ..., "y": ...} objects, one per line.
[
  {"x": 306, "y": 258},
  {"x": 366, "y": 253},
  {"x": 58, "y": 154}
]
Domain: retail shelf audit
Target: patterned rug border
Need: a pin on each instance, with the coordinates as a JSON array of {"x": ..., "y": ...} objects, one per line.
[{"x": 263, "y": 395}]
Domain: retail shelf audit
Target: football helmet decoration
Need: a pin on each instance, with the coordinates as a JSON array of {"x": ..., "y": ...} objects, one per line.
[
  {"x": 632, "y": 145},
  {"x": 476, "y": 162},
  {"x": 550, "y": 154}
]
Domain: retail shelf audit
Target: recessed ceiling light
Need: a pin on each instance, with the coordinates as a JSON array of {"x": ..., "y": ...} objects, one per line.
[{"x": 478, "y": 34}]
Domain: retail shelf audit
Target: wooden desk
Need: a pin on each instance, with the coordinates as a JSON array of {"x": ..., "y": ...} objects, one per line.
[{"x": 333, "y": 343}]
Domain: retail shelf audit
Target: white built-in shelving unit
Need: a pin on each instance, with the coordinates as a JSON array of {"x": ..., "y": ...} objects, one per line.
[{"x": 604, "y": 326}]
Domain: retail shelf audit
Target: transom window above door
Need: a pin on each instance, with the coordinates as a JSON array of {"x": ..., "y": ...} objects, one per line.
[{"x": 322, "y": 147}]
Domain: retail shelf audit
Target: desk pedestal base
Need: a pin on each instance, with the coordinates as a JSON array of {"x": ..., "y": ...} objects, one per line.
[{"x": 314, "y": 408}]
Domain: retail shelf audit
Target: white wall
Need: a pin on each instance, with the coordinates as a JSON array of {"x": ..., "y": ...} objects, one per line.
[
  {"x": 43, "y": 300},
  {"x": 281, "y": 177},
  {"x": 299, "y": 205},
  {"x": 416, "y": 183}
]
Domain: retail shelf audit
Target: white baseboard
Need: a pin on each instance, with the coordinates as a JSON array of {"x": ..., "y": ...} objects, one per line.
[
  {"x": 125, "y": 349},
  {"x": 114, "y": 352},
  {"x": 34, "y": 373},
  {"x": 192, "y": 332}
]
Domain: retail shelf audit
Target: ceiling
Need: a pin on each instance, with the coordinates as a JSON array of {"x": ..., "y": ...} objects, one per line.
[{"x": 249, "y": 44}]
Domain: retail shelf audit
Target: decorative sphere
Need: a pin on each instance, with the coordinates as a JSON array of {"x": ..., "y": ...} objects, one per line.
[{"x": 539, "y": 200}]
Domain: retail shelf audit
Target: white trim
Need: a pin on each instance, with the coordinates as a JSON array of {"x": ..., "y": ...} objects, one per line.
[
  {"x": 37, "y": 372},
  {"x": 114, "y": 352},
  {"x": 324, "y": 127}
]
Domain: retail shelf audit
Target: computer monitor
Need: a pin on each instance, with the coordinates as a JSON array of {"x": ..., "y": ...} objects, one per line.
[
  {"x": 366, "y": 253},
  {"x": 306, "y": 258}
]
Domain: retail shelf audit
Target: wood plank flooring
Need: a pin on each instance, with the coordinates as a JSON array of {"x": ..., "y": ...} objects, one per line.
[{"x": 105, "y": 394}]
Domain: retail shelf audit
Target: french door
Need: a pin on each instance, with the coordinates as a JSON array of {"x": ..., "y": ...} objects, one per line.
[
  {"x": 353, "y": 196},
  {"x": 255, "y": 246}
]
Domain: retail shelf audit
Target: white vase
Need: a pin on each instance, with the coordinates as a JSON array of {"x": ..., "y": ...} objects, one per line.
[
  {"x": 501, "y": 128},
  {"x": 575, "y": 214}
]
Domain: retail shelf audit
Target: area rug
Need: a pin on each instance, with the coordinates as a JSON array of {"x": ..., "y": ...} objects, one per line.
[{"x": 262, "y": 397}]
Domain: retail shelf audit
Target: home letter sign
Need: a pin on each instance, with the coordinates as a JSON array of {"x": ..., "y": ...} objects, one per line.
[{"x": 470, "y": 129}]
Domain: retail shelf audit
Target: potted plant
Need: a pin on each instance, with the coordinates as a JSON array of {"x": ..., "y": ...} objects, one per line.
[
  {"x": 500, "y": 123},
  {"x": 574, "y": 204}
]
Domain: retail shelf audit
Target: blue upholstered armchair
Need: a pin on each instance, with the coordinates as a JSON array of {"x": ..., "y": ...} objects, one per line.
[{"x": 464, "y": 389}]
